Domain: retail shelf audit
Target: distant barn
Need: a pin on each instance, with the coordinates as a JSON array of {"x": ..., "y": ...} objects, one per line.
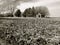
[{"x": 38, "y": 15}]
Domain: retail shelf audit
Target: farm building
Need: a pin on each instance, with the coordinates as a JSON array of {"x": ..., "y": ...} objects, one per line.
[{"x": 38, "y": 15}]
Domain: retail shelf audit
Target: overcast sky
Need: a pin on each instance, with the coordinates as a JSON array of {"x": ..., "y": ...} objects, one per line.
[{"x": 53, "y": 5}]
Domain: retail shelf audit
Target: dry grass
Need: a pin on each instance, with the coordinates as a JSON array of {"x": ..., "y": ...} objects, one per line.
[{"x": 29, "y": 31}]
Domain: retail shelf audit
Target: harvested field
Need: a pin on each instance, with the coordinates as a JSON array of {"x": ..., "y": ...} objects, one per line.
[{"x": 29, "y": 31}]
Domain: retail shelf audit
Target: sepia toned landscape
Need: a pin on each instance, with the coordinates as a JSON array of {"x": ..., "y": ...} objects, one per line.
[{"x": 29, "y": 22}]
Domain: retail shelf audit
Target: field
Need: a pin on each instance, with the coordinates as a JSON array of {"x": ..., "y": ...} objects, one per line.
[{"x": 29, "y": 31}]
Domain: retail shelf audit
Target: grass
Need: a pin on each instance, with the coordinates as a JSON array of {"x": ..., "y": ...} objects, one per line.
[{"x": 29, "y": 31}]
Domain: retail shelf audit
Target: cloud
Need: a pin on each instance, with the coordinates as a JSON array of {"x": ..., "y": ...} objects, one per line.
[
  {"x": 53, "y": 6},
  {"x": 4, "y": 4}
]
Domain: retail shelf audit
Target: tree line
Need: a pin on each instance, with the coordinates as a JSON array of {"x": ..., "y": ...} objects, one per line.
[{"x": 29, "y": 12}]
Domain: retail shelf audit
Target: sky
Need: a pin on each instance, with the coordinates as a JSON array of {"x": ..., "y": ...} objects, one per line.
[
  {"x": 8, "y": 4},
  {"x": 53, "y": 5}
]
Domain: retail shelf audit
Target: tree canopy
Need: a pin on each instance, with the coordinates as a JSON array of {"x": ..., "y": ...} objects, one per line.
[
  {"x": 17, "y": 13},
  {"x": 32, "y": 12},
  {"x": 29, "y": 12},
  {"x": 43, "y": 11}
]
